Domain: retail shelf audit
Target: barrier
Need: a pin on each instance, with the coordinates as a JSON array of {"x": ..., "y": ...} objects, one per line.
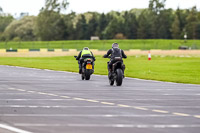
[{"x": 71, "y": 52}]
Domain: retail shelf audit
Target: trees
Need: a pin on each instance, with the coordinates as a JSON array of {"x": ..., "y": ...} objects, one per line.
[
  {"x": 55, "y": 5},
  {"x": 192, "y": 24},
  {"x": 165, "y": 20},
  {"x": 81, "y": 29},
  {"x": 115, "y": 25},
  {"x": 145, "y": 26},
  {"x": 102, "y": 23},
  {"x": 130, "y": 25},
  {"x": 50, "y": 24},
  {"x": 161, "y": 19},
  {"x": 156, "y": 22},
  {"x": 92, "y": 26},
  {"x": 21, "y": 29},
  {"x": 69, "y": 26},
  {"x": 5, "y": 20},
  {"x": 176, "y": 31},
  {"x": 156, "y": 5}
]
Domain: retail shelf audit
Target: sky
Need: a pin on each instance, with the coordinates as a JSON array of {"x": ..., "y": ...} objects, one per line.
[{"x": 15, "y": 7}]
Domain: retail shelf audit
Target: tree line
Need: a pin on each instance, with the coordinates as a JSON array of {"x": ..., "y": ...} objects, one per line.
[{"x": 155, "y": 22}]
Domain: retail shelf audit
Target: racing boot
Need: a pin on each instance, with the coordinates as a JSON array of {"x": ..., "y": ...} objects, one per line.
[
  {"x": 80, "y": 71},
  {"x": 109, "y": 74}
]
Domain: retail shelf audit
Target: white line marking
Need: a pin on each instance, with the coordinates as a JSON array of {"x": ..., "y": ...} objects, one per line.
[
  {"x": 57, "y": 106},
  {"x": 81, "y": 99},
  {"x": 140, "y": 108},
  {"x": 51, "y": 94},
  {"x": 106, "y": 125},
  {"x": 197, "y": 116},
  {"x": 108, "y": 103},
  {"x": 65, "y": 97},
  {"x": 42, "y": 93},
  {"x": 20, "y": 90},
  {"x": 90, "y": 100},
  {"x": 35, "y": 99},
  {"x": 31, "y": 91},
  {"x": 122, "y": 105},
  {"x": 149, "y": 99},
  {"x": 180, "y": 114},
  {"x": 11, "y": 88},
  {"x": 82, "y": 115},
  {"x": 170, "y": 106},
  {"x": 160, "y": 111},
  {"x": 13, "y": 129}
]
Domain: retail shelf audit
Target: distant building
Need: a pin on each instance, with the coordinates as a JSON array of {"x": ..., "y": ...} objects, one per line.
[{"x": 94, "y": 38}]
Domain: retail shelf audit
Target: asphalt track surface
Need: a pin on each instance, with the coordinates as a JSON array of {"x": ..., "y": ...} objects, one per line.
[{"x": 44, "y": 101}]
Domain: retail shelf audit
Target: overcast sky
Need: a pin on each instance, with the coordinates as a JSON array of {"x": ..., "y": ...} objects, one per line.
[{"x": 79, "y": 6}]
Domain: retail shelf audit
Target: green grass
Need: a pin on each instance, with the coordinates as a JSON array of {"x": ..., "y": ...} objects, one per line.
[
  {"x": 103, "y": 44},
  {"x": 174, "y": 69}
]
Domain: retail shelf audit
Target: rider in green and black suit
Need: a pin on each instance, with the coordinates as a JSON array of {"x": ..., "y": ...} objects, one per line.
[{"x": 85, "y": 53}]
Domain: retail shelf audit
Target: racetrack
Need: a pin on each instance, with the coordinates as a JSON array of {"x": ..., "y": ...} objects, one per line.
[{"x": 44, "y": 101}]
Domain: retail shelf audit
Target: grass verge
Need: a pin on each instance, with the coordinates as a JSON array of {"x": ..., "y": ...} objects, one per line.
[
  {"x": 144, "y": 44},
  {"x": 173, "y": 69}
]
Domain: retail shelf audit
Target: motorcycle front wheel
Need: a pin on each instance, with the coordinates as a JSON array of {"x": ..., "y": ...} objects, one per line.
[{"x": 119, "y": 77}]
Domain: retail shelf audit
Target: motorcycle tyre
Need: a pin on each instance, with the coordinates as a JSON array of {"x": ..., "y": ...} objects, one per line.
[
  {"x": 119, "y": 78},
  {"x": 87, "y": 76}
]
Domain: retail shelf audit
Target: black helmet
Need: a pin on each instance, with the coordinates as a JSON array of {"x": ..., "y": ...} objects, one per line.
[
  {"x": 85, "y": 48},
  {"x": 115, "y": 45}
]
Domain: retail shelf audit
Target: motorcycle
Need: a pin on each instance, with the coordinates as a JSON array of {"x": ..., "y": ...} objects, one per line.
[
  {"x": 87, "y": 68},
  {"x": 116, "y": 74}
]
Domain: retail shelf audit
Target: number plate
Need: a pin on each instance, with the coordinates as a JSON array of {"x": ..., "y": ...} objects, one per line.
[{"x": 88, "y": 66}]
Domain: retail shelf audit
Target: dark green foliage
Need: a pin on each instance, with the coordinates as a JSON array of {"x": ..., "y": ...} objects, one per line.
[
  {"x": 156, "y": 22},
  {"x": 92, "y": 26},
  {"x": 21, "y": 30},
  {"x": 69, "y": 26},
  {"x": 102, "y": 24},
  {"x": 130, "y": 25},
  {"x": 81, "y": 29},
  {"x": 5, "y": 20},
  {"x": 192, "y": 22},
  {"x": 145, "y": 25},
  {"x": 50, "y": 26}
]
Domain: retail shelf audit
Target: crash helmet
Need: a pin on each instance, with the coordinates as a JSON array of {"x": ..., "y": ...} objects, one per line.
[
  {"x": 115, "y": 45},
  {"x": 85, "y": 48}
]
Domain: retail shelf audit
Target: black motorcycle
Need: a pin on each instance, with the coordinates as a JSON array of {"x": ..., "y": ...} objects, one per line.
[
  {"x": 117, "y": 71},
  {"x": 87, "y": 68}
]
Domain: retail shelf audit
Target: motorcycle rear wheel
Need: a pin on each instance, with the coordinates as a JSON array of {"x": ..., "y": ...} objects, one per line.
[{"x": 87, "y": 76}]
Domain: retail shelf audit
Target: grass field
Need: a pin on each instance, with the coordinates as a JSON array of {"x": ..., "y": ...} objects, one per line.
[
  {"x": 174, "y": 69},
  {"x": 103, "y": 44}
]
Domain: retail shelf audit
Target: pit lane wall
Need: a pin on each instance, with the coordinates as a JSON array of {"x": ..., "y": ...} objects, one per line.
[{"x": 72, "y": 52}]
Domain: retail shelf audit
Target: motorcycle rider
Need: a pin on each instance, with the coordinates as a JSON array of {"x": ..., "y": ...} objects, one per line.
[
  {"x": 85, "y": 53},
  {"x": 114, "y": 52}
]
